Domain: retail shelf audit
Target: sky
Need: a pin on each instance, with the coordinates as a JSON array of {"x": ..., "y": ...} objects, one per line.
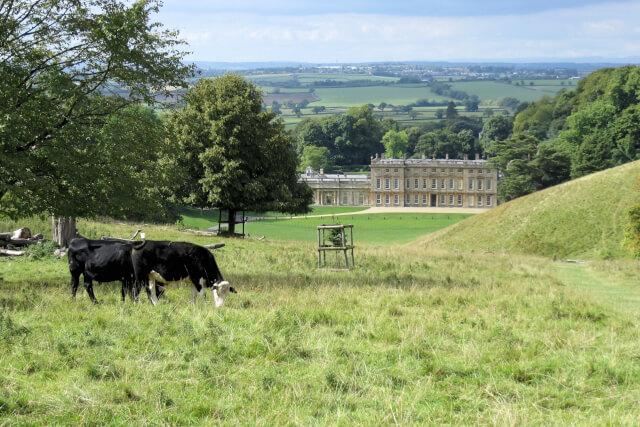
[{"x": 356, "y": 31}]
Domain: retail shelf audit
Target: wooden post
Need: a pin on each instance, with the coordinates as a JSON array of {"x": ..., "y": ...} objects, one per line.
[{"x": 345, "y": 244}]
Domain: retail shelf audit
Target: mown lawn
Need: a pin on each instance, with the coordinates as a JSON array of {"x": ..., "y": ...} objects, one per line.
[
  {"x": 197, "y": 219},
  {"x": 412, "y": 336},
  {"x": 368, "y": 228}
]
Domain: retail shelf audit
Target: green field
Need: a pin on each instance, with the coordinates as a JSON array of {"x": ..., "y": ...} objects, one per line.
[
  {"x": 490, "y": 90},
  {"x": 373, "y": 228},
  {"x": 412, "y": 336},
  {"x": 356, "y": 96},
  {"x": 199, "y": 220}
]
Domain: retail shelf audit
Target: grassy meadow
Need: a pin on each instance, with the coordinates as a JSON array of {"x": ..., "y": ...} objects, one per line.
[
  {"x": 413, "y": 336},
  {"x": 429, "y": 332}
]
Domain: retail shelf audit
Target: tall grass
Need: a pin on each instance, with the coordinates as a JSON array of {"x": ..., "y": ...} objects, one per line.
[{"x": 411, "y": 336}]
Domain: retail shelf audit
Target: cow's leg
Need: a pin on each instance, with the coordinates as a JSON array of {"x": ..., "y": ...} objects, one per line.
[
  {"x": 75, "y": 281},
  {"x": 122, "y": 289},
  {"x": 194, "y": 294},
  {"x": 137, "y": 288},
  {"x": 151, "y": 291},
  {"x": 133, "y": 291},
  {"x": 203, "y": 291},
  {"x": 88, "y": 285}
]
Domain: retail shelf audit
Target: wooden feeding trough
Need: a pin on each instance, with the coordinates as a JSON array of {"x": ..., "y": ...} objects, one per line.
[{"x": 334, "y": 238}]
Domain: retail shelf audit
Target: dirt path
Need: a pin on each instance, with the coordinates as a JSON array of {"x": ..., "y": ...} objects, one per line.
[{"x": 376, "y": 210}]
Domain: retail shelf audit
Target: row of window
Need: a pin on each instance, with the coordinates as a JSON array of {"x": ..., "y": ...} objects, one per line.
[
  {"x": 443, "y": 200},
  {"x": 434, "y": 170},
  {"x": 434, "y": 183}
]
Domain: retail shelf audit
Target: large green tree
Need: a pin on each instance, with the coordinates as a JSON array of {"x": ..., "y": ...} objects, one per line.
[
  {"x": 351, "y": 138},
  {"x": 496, "y": 128},
  {"x": 237, "y": 156},
  {"x": 66, "y": 66},
  {"x": 395, "y": 143}
]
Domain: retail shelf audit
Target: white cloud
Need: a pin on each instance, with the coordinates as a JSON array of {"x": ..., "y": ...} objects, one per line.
[{"x": 604, "y": 30}]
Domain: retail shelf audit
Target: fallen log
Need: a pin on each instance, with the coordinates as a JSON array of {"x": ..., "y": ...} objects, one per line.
[
  {"x": 23, "y": 242},
  {"x": 214, "y": 245},
  {"x": 5, "y": 236},
  {"x": 200, "y": 233},
  {"x": 9, "y": 252},
  {"x": 21, "y": 233},
  {"x": 131, "y": 240}
]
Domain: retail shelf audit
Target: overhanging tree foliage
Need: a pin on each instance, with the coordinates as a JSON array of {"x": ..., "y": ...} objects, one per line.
[
  {"x": 238, "y": 157},
  {"x": 61, "y": 63}
]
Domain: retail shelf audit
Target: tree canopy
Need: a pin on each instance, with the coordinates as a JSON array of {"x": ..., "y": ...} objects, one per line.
[
  {"x": 395, "y": 144},
  {"x": 593, "y": 127},
  {"x": 351, "y": 138},
  {"x": 67, "y": 70},
  {"x": 237, "y": 156}
]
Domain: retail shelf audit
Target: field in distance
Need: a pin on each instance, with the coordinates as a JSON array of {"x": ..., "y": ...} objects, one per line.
[{"x": 336, "y": 98}]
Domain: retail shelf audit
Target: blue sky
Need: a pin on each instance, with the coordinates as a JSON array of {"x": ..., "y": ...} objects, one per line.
[{"x": 363, "y": 31}]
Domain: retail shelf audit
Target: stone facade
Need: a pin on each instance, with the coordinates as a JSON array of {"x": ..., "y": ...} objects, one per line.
[
  {"x": 411, "y": 183},
  {"x": 338, "y": 189}
]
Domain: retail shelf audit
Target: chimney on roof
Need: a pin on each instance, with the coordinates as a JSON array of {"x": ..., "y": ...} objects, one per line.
[
  {"x": 382, "y": 156},
  {"x": 423, "y": 156},
  {"x": 321, "y": 171},
  {"x": 404, "y": 156},
  {"x": 446, "y": 156},
  {"x": 466, "y": 157},
  {"x": 477, "y": 156}
]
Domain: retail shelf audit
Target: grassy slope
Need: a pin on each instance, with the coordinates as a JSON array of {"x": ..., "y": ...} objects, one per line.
[{"x": 584, "y": 218}]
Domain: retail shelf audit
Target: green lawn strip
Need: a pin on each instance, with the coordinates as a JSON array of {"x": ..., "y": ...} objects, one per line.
[
  {"x": 368, "y": 228},
  {"x": 200, "y": 220}
]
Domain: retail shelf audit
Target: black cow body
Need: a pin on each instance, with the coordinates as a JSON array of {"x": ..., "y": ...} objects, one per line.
[
  {"x": 166, "y": 262},
  {"x": 102, "y": 261}
]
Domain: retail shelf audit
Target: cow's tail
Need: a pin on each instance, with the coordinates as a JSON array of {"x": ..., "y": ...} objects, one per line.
[{"x": 139, "y": 245}]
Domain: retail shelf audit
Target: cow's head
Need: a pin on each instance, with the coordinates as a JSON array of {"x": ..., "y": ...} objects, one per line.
[{"x": 220, "y": 292}]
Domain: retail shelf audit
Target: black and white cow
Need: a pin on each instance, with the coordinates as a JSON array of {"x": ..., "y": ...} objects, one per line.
[
  {"x": 178, "y": 262},
  {"x": 102, "y": 261}
]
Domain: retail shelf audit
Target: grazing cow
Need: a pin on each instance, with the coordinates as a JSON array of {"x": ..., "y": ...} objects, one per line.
[
  {"x": 102, "y": 261},
  {"x": 178, "y": 262}
]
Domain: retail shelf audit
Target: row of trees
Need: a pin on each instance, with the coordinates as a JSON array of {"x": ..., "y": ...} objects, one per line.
[
  {"x": 592, "y": 128},
  {"x": 349, "y": 140},
  {"x": 70, "y": 147}
]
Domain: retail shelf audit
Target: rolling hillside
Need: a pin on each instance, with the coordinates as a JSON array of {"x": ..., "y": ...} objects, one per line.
[{"x": 584, "y": 218}]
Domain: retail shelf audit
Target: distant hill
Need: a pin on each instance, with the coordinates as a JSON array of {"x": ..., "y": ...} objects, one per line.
[{"x": 583, "y": 218}]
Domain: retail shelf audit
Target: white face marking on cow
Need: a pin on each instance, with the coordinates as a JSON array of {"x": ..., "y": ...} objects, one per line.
[{"x": 220, "y": 292}]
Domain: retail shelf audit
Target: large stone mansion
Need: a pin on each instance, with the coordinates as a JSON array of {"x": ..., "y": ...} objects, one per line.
[{"x": 409, "y": 182}]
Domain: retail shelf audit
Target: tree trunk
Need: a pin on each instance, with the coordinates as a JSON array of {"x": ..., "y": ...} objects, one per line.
[
  {"x": 232, "y": 222},
  {"x": 64, "y": 230}
]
